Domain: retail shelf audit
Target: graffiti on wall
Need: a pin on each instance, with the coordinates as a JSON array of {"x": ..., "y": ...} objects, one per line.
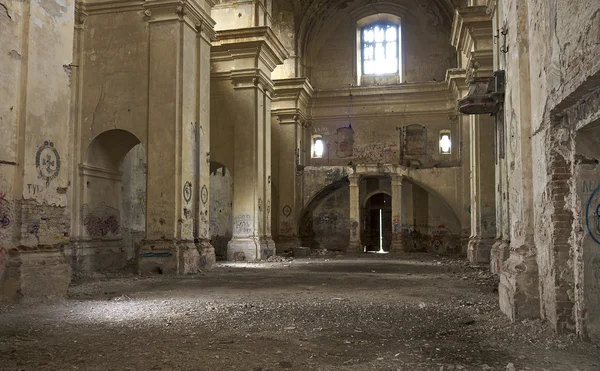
[
  {"x": 204, "y": 194},
  {"x": 374, "y": 153},
  {"x": 438, "y": 237},
  {"x": 285, "y": 228},
  {"x": 415, "y": 140},
  {"x": 47, "y": 161},
  {"x": 396, "y": 226},
  {"x": 592, "y": 214},
  {"x": 243, "y": 225},
  {"x": 345, "y": 142},
  {"x": 4, "y": 211},
  {"x": 287, "y": 210},
  {"x": 187, "y": 192},
  {"x": 101, "y": 220}
]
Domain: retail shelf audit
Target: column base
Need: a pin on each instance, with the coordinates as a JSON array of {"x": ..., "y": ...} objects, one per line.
[
  {"x": 498, "y": 255},
  {"x": 244, "y": 249},
  {"x": 169, "y": 257},
  {"x": 479, "y": 250},
  {"x": 96, "y": 255},
  {"x": 518, "y": 290},
  {"x": 397, "y": 243},
  {"x": 31, "y": 276},
  {"x": 267, "y": 248},
  {"x": 206, "y": 255},
  {"x": 355, "y": 247}
]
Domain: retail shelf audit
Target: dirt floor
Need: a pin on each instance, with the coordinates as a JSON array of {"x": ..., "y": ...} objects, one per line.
[{"x": 376, "y": 312}]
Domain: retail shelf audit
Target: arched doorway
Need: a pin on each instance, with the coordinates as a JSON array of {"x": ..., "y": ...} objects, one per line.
[
  {"x": 377, "y": 226},
  {"x": 112, "y": 219}
]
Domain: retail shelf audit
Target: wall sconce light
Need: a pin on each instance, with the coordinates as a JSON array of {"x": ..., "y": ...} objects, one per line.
[{"x": 445, "y": 142}]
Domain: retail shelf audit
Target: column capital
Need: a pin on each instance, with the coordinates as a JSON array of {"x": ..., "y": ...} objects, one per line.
[
  {"x": 354, "y": 180},
  {"x": 253, "y": 47},
  {"x": 397, "y": 180}
]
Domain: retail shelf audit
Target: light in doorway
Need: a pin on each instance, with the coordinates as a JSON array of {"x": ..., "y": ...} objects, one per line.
[
  {"x": 445, "y": 142},
  {"x": 318, "y": 147}
]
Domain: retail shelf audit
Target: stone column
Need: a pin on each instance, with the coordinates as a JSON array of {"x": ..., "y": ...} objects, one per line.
[
  {"x": 483, "y": 202},
  {"x": 473, "y": 38},
  {"x": 290, "y": 103},
  {"x": 397, "y": 237},
  {"x": 173, "y": 142},
  {"x": 247, "y": 57},
  {"x": 355, "y": 245}
]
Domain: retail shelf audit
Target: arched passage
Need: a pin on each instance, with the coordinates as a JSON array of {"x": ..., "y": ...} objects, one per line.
[
  {"x": 324, "y": 222},
  {"x": 377, "y": 225},
  {"x": 112, "y": 219}
]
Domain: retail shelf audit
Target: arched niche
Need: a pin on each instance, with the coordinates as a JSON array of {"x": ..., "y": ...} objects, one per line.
[
  {"x": 112, "y": 195},
  {"x": 221, "y": 208}
]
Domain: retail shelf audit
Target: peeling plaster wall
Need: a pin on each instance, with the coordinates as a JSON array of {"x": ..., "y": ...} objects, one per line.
[
  {"x": 35, "y": 56},
  {"x": 553, "y": 62},
  {"x": 115, "y": 70}
]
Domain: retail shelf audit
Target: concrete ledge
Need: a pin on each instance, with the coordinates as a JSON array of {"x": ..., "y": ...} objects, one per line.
[
  {"x": 95, "y": 256},
  {"x": 31, "y": 276}
]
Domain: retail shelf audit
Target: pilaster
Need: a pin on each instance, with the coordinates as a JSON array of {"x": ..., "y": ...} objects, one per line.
[
  {"x": 397, "y": 237},
  {"x": 247, "y": 57},
  {"x": 289, "y": 110},
  {"x": 355, "y": 245},
  {"x": 472, "y": 36},
  {"x": 177, "y": 217}
]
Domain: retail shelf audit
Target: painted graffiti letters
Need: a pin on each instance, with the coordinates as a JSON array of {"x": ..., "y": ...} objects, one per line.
[
  {"x": 47, "y": 161},
  {"x": 243, "y": 225},
  {"x": 33, "y": 189},
  {"x": 101, "y": 221}
]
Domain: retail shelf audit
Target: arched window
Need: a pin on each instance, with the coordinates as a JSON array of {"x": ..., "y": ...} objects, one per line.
[
  {"x": 379, "y": 58},
  {"x": 380, "y": 44}
]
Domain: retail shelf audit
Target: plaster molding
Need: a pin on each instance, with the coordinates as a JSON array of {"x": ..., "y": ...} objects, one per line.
[
  {"x": 472, "y": 27},
  {"x": 456, "y": 79},
  {"x": 251, "y": 78},
  {"x": 292, "y": 93},
  {"x": 98, "y": 172},
  {"x": 429, "y": 98}
]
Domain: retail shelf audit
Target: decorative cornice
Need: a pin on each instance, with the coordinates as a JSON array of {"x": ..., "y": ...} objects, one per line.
[
  {"x": 80, "y": 14},
  {"x": 251, "y": 78},
  {"x": 111, "y": 6},
  {"x": 295, "y": 93},
  {"x": 491, "y": 7},
  {"x": 469, "y": 23},
  {"x": 456, "y": 79},
  {"x": 244, "y": 43},
  {"x": 188, "y": 11}
]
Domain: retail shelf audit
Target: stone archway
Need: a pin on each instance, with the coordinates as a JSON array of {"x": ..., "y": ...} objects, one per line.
[{"x": 112, "y": 195}]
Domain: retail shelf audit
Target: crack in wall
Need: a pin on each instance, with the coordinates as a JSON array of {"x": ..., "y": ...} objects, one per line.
[{"x": 6, "y": 10}]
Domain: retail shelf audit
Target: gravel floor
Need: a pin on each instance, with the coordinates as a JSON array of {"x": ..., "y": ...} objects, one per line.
[{"x": 376, "y": 312}]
